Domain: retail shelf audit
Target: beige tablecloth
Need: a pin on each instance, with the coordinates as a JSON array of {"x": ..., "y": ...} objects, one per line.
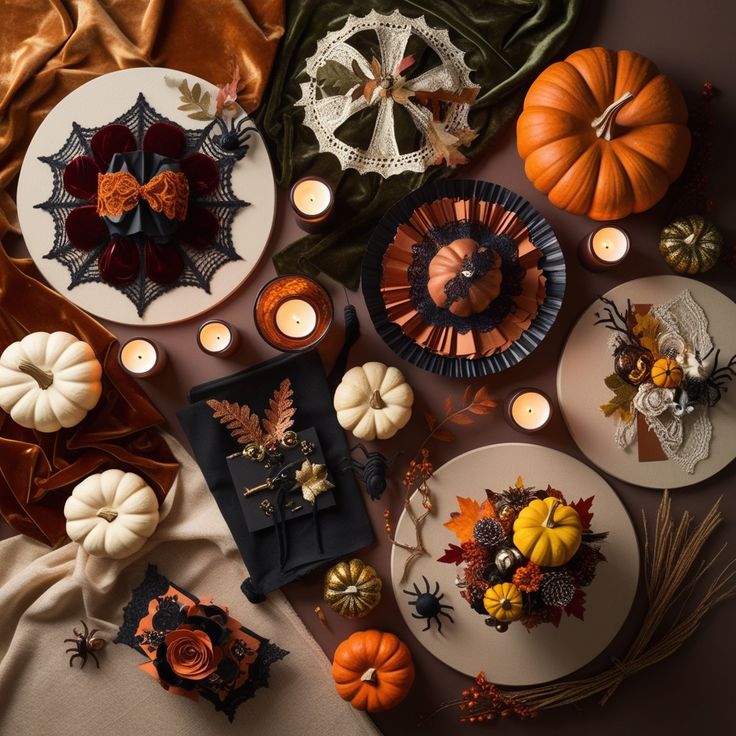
[{"x": 44, "y": 593}]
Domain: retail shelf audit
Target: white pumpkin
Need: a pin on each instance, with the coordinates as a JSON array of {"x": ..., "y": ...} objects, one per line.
[
  {"x": 49, "y": 381},
  {"x": 111, "y": 514},
  {"x": 373, "y": 401}
]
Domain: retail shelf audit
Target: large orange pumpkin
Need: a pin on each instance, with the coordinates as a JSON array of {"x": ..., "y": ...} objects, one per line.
[
  {"x": 603, "y": 133},
  {"x": 453, "y": 264},
  {"x": 373, "y": 670}
]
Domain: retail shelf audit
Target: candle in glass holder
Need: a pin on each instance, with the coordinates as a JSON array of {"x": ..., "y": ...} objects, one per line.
[
  {"x": 604, "y": 248},
  {"x": 312, "y": 200},
  {"x": 141, "y": 357},
  {"x": 217, "y": 337},
  {"x": 296, "y": 318},
  {"x": 293, "y": 312},
  {"x": 528, "y": 409}
]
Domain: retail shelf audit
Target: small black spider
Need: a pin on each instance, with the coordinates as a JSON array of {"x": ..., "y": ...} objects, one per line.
[
  {"x": 85, "y": 645},
  {"x": 428, "y": 604},
  {"x": 373, "y": 471}
]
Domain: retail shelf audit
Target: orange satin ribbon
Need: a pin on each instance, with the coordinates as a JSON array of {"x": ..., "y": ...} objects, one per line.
[{"x": 167, "y": 193}]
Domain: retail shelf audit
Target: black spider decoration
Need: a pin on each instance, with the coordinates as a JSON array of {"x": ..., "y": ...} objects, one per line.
[
  {"x": 85, "y": 644},
  {"x": 234, "y": 140},
  {"x": 373, "y": 471},
  {"x": 428, "y": 604}
]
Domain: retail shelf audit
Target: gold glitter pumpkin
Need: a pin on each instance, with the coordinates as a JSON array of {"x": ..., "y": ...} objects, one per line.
[{"x": 352, "y": 589}]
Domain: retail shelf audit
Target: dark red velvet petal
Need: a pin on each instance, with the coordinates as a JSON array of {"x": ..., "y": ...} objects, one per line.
[
  {"x": 165, "y": 139},
  {"x": 80, "y": 177},
  {"x": 163, "y": 263},
  {"x": 202, "y": 173},
  {"x": 119, "y": 262},
  {"x": 112, "y": 139},
  {"x": 85, "y": 228},
  {"x": 200, "y": 228}
]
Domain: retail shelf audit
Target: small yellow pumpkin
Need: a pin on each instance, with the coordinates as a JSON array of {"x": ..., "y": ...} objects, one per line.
[
  {"x": 666, "y": 373},
  {"x": 547, "y": 532},
  {"x": 352, "y": 589},
  {"x": 503, "y": 602}
]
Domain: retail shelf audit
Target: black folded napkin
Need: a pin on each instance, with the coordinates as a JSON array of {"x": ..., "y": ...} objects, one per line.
[{"x": 343, "y": 528}]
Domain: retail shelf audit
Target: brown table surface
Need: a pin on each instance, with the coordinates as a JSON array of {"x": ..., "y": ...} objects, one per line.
[{"x": 692, "y": 42}]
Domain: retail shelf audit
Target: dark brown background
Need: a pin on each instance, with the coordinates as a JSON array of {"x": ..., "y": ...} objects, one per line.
[{"x": 692, "y": 42}]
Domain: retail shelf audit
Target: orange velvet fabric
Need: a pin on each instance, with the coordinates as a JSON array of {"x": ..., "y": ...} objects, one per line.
[
  {"x": 50, "y": 47},
  {"x": 38, "y": 471}
]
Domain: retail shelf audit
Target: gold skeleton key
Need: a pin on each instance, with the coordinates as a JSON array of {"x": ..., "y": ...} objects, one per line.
[{"x": 267, "y": 486}]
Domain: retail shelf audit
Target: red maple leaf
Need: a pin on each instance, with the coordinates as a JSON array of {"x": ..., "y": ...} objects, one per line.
[
  {"x": 584, "y": 512},
  {"x": 452, "y": 554},
  {"x": 576, "y": 607}
]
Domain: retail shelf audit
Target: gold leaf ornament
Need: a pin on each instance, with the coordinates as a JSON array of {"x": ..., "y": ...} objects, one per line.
[{"x": 312, "y": 477}]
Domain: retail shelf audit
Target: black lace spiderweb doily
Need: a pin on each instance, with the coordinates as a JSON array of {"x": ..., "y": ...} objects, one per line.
[{"x": 199, "y": 265}]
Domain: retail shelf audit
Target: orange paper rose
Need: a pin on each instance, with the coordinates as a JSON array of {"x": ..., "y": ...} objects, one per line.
[{"x": 190, "y": 653}]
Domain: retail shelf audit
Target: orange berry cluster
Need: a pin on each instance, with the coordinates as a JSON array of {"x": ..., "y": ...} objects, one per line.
[
  {"x": 485, "y": 702},
  {"x": 528, "y": 578}
]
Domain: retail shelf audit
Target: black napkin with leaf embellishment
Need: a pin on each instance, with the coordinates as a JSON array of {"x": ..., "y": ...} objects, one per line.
[{"x": 343, "y": 528}]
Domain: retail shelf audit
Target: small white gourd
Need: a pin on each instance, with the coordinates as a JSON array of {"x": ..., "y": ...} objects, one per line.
[
  {"x": 49, "y": 381},
  {"x": 373, "y": 401},
  {"x": 111, "y": 514}
]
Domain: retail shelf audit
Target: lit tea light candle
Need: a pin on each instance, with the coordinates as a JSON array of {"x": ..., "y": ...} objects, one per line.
[
  {"x": 296, "y": 318},
  {"x": 217, "y": 337},
  {"x": 604, "y": 248},
  {"x": 293, "y": 312},
  {"x": 528, "y": 409},
  {"x": 141, "y": 357},
  {"x": 312, "y": 200}
]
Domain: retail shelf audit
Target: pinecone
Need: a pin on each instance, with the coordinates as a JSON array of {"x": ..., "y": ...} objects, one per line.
[
  {"x": 518, "y": 498},
  {"x": 557, "y": 588},
  {"x": 583, "y": 565},
  {"x": 489, "y": 532}
]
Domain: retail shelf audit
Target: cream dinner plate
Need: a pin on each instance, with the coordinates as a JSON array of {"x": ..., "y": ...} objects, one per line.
[
  {"x": 96, "y": 103},
  {"x": 586, "y": 361},
  {"x": 518, "y": 657}
]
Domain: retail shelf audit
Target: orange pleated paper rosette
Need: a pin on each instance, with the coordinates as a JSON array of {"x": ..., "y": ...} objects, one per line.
[{"x": 463, "y": 278}]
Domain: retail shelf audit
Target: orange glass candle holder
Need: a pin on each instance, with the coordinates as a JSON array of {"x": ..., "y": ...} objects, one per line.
[{"x": 293, "y": 312}]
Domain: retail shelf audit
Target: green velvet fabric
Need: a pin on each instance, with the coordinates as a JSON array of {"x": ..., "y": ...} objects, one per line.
[{"x": 507, "y": 42}]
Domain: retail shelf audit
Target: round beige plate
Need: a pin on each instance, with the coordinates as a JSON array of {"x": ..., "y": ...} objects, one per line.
[
  {"x": 518, "y": 657},
  {"x": 586, "y": 361},
  {"x": 98, "y": 102}
]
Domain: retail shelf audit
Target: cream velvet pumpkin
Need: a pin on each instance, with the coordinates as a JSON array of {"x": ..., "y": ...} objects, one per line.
[
  {"x": 49, "y": 381},
  {"x": 111, "y": 514},
  {"x": 373, "y": 401}
]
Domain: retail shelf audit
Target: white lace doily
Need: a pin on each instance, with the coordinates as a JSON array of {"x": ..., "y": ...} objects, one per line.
[
  {"x": 325, "y": 114},
  {"x": 685, "y": 438}
]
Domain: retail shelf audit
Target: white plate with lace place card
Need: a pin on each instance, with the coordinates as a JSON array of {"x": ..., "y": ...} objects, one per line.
[{"x": 587, "y": 360}]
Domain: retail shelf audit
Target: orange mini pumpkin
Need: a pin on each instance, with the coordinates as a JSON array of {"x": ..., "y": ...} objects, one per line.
[
  {"x": 603, "y": 133},
  {"x": 373, "y": 670},
  {"x": 666, "y": 373},
  {"x": 456, "y": 284}
]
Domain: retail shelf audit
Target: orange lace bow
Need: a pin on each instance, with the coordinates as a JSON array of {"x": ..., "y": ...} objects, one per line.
[{"x": 167, "y": 192}]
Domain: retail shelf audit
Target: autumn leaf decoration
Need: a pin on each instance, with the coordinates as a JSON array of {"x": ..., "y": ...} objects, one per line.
[
  {"x": 623, "y": 395},
  {"x": 474, "y": 404},
  {"x": 195, "y": 102},
  {"x": 463, "y": 522},
  {"x": 246, "y": 426},
  {"x": 335, "y": 78}
]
